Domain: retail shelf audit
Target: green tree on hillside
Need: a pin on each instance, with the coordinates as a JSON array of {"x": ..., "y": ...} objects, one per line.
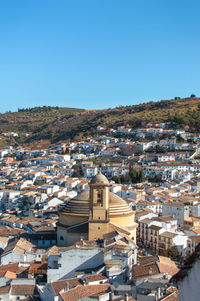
[{"x": 136, "y": 176}]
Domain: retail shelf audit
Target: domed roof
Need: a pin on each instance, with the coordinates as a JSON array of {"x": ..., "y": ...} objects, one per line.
[
  {"x": 79, "y": 205},
  {"x": 99, "y": 179}
]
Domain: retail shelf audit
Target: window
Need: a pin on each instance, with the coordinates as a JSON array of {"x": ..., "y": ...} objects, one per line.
[
  {"x": 61, "y": 238},
  {"x": 99, "y": 196}
]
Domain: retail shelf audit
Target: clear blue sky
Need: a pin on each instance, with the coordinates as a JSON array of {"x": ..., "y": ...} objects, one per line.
[{"x": 97, "y": 53}]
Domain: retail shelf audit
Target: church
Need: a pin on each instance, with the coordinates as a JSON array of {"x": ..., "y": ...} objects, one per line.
[{"x": 93, "y": 213}]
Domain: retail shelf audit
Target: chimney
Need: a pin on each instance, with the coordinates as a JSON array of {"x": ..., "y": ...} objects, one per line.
[
  {"x": 111, "y": 296},
  {"x": 159, "y": 293},
  {"x": 66, "y": 287},
  {"x": 126, "y": 297}
]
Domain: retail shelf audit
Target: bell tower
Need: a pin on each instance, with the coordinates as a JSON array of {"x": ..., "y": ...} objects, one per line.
[{"x": 99, "y": 206}]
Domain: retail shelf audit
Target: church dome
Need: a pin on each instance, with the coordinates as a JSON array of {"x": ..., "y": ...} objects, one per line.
[
  {"x": 79, "y": 205},
  {"x": 99, "y": 179},
  {"x": 80, "y": 209},
  {"x": 100, "y": 210}
]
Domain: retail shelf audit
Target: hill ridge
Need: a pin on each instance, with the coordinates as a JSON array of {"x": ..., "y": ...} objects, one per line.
[{"x": 58, "y": 124}]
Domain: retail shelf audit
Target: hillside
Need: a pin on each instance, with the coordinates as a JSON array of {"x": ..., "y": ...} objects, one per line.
[{"x": 67, "y": 123}]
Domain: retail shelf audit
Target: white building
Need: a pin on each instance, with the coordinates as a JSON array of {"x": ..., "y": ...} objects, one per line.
[
  {"x": 166, "y": 157},
  {"x": 48, "y": 189},
  {"x": 177, "y": 210},
  {"x": 65, "y": 264},
  {"x": 90, "y": 171}
]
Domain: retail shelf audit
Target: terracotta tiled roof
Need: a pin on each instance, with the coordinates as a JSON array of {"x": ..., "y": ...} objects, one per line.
[
  {"x": 2, "y": 274},
  {"x": 196, "y": 230},
  {"x": 9, "y": 267},
  {"x": 12, "y": 270},
  {"x": 4, "y": 289},
  {"x": 20, "y": 246},
  {"x": 171, "y": 289},
  {"x": 4, "y": 239},
  {"x": 168, "y": 234},
  {"x": 145, "y": 260},
  {"x": 141, "y": 212},
  {"x": 146, "y": 221},
  {"x": 141, "y": 271},
  {"x": 84, "y": 291},
  {"x": 7, "y": 231},
  {"x": 59, "y": 285},
  {"x": 172, "y": 297},
  {"x": 95, "y": 277},
  {"x": 13, "y": 275},
  {"x": 166, "y": 268},
  {"x": 154, "y": 227},
  {"x": 73, "y": 282},
  {"x": 23, "y": 289},
  {"x": 56, "y": 249},
  {"x": 163, "y": 218},
  {"x": 163, "y": 264},
  {"x": 36, "y": 268}
]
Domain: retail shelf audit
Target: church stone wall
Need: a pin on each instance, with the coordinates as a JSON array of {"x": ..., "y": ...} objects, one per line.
[
  {"x": 71, "y": 220},
  {"x": 121, "y": 220},
  {"x": 97, "y": 230},
  {"x": 65, "y": 238}
]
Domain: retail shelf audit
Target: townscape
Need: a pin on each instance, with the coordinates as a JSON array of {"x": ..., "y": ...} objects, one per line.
[{"x": 110, "y": 217}]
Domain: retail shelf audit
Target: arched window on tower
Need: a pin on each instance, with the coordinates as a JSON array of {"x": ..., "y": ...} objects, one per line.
[{"x": 99, "y": 197}]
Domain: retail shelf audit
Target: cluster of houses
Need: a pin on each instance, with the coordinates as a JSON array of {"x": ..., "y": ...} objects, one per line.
[
  {"x": 106, "y": 270},
  {"x": 35, "y": 184}
]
